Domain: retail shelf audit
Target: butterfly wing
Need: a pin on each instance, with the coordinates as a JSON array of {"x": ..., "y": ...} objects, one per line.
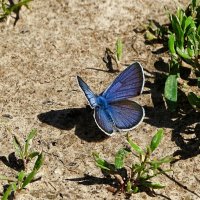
[
  {"x": 126, "y": 114},
  {"x": 128, "y": 84},
  {"x": 104, "y": 121},
  {"x": 91, "y": 97}
]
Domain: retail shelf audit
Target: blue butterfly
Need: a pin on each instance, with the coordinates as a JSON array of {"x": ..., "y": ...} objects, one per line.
[{"x": 113, "y": 111}]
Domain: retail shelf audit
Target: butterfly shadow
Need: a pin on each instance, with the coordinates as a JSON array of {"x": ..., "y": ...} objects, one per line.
[
  {"x": 80, "y": 118},
  {"x": 183, "y": 122}
]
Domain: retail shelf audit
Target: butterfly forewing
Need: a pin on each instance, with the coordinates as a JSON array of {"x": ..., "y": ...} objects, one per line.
[
  {"x": 91, "y": 97},
  {"x": 126, "y": 114},
  {"x": 127, "y": 85}
]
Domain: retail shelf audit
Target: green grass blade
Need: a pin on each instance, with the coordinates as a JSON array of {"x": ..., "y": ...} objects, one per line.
[
  {"x": 150, "y": 36},
  {"x": 9, "y": 8},
  {"x": 190, "y": 51},
  {"x": 119, "y": 49},
  {"x": 135, "y": 189},
  {"x": 38, "y": 162},
  {"x": 188, "y": 21},
  {"x": 129, "y": 187},
  {"x": 29, "y": 178},
  {"x": 18, "y": 5},
  {"x": 170, "y": 92},
  {"x": 178, "y": 31},
  {"x": 14, "y": 186},
  {"x": 134, "y": 146},
  {"x": 21, "y": 176},
  {"x": 7, "y": 193},
  {"x": 153, "y": 185},
  {"x": 156, "y": 139},
  {"x": 101, "y": 163},
  {"x": 31, "y": 135},
  {"x": 171, "y": 44},
  {"x": 18, "y": 147},
  {"x": 33, "y": 154},
  {"x": 138, "y": 167},
  {"x": 183, "y": 53},
  {"x": 180, "y": 15},
  {"x": 166, "y": 159},
  {"x": 119, "y": 158}
]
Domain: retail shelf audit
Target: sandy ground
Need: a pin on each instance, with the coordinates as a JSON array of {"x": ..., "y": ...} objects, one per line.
[{"x": 40, "y": 58}]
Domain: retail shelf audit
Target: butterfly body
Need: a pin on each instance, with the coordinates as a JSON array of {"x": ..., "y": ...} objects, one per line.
[
  {"x": 101, "y": 102},
  {"x": 113, "y": 111}
]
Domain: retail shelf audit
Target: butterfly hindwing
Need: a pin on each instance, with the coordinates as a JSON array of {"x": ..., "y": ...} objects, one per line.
[
  {"x": 127, "y": 85},
  {"x": 103, "y": 120},
  {"x": 91, "y": 97},
  {"x": 126, "y": 114}
]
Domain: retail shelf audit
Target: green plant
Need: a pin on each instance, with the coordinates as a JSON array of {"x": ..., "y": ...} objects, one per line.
[
  {"x": 24, "y": 152},
  {"x": 119, "y": 49},
  {"x": 26, "y": 176},
  {"x": 184, "y": 45},
  {"x": 138, "y": 176},
  {"x": 116, "y": 55},
  {"x": 183, "y": 35},
  {"x": 155, "y": 32},
  {"x": 8, "y": 7}
]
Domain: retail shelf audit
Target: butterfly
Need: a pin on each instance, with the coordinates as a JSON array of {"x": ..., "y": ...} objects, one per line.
[{"x": 113, "y": 111}]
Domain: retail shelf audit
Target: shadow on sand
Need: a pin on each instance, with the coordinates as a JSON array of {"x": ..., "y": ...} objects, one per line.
[{"x": 80, "y": 118}]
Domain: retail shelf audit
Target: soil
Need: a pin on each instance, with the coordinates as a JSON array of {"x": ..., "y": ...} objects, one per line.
[{"x": 41, "y": 56}]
